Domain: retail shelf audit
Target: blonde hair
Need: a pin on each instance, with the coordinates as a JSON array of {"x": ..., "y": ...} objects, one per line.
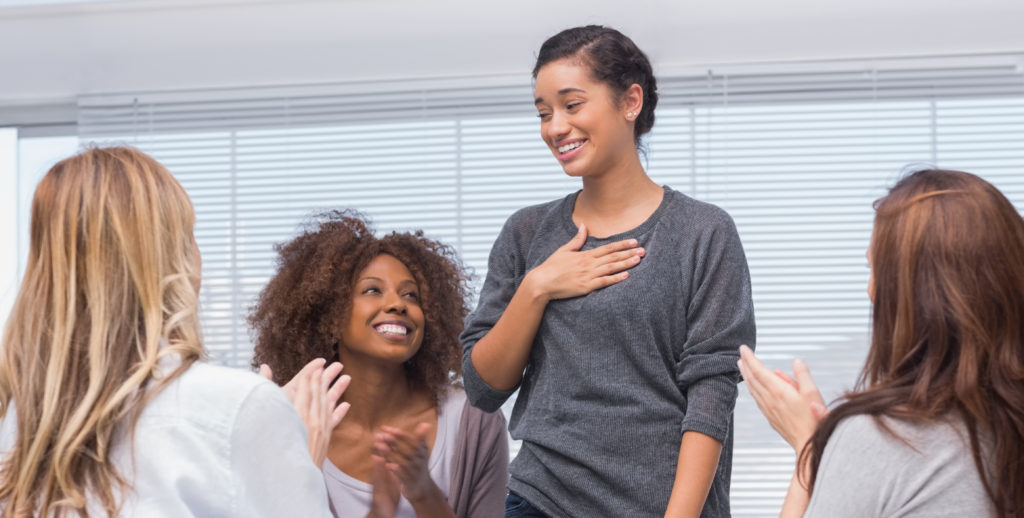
[{"x": 108, "y": 291}]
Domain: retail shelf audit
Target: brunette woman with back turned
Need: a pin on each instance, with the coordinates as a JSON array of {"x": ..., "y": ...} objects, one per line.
[
  {"x": 617, "y": 311},
  {"x": 935, "y": 426}
]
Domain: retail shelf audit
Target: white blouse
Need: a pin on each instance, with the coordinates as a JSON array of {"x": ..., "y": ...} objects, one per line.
[{"x": 216, "y": 442}]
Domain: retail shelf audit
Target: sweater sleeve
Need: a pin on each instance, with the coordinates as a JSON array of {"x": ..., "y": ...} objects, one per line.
[
  {"x": 720, "y": 318},
  {"x": 504, "y": 273}
]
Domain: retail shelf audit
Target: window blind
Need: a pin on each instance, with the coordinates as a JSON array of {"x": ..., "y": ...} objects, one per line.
[{"x": 795, "y": 152}]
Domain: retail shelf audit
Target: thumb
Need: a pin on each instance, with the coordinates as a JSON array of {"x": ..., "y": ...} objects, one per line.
[
  {"x": 266, "y": 372},
  {"x": 819, "y": 411},
  {"x": 422, "y": 432},
  {"x": 577, "y": 241}
]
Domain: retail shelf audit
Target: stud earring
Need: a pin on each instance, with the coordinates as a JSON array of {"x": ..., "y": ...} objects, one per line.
[{"x": 629, "y": 115}]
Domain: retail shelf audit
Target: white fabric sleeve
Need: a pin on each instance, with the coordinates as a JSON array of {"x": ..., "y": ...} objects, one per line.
[{"x": 274, "y": 475}]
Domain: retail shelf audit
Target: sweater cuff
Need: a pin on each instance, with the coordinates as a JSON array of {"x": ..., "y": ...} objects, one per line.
[
  {"x": 480, "y": 394},
  {"x": 709, "y": 406}
]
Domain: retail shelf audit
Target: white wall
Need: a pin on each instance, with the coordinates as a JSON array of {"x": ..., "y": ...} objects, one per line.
[{"x": 53, "y": 52}]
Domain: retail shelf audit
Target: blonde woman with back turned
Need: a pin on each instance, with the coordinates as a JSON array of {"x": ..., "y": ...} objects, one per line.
[{"x": 107, "y": 408}]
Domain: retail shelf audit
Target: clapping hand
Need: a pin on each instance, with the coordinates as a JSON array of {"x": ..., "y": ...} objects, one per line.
[
  {"x": 316, "y": 401},
  {"x": 792, "y": 405}
]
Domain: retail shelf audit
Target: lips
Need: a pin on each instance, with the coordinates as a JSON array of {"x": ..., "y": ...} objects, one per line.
[
  {"x": 566, "y": 149},
  {"x": 392, "y": 330}
]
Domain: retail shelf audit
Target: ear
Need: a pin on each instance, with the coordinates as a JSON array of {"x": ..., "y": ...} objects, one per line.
[{"x": 632, "y": 102}]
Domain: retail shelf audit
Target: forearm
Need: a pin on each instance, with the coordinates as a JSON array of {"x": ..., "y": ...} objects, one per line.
[
  {"x": 695, "y": 470},
  {"x": 500, "y": 356},
  {"x": 797, "y": 498}
]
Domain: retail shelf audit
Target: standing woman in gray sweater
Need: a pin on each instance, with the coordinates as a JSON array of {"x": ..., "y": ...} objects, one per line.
[{"x": 616, "y": 311}]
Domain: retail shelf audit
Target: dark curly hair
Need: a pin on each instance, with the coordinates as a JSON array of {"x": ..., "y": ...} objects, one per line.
[
  {"x": 613, "y": 59},
  {"x": 300, "y": 313}
]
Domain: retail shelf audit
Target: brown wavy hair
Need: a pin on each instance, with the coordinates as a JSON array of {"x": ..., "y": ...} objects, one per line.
[
  {"x": 302, "y": 310},
  {"x": 948, "y": 324}
]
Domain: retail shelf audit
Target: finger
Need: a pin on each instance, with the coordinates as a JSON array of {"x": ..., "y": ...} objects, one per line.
[
  {"x": 339, "y": 413},
  {"x": 785, "y": 377},
  {"x": 611, "y": 248},
  {"x": 618, "y": 266},
  {"x": 305, "y": 371},
  {"x": 805, "y": 382},
  {"x": 623, "y": 255},
  {"x": 607, "y": 280},
  {"x": 339, "y": 387},
  {"x": 577, "y": 241},
  {"x": 422, "y": 432},
  {"x": 317, "y": 408},
  {"x": 330, "y": 373},
  {"x": 266, "y": 372},
  {"x": 401, "y": 442},
  {"x": 301, "y": 393},
  {"x": 758, "y": 372}
]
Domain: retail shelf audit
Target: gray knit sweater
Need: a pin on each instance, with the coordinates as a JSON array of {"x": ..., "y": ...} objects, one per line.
[{"x": 616, "y": 376}]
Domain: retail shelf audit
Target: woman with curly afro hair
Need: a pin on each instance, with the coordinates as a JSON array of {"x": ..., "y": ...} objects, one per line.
[{"x": 391, "y": 310}]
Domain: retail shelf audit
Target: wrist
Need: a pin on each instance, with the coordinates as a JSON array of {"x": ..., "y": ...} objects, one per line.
[
  {"x": 429, "y": 498},
  {"x": 534, "y": 289}
]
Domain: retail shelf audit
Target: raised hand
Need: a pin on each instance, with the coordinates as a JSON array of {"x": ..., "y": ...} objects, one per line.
[
  {"x": 792, "y": 406},
  {"x": 316, "y": 401},
  {"x": 406, "y": 456},
  {"x": 569, "y": 272}
]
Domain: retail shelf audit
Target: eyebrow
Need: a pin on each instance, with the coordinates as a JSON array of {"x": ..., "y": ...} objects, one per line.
[
  {"x": 561, "y": 93},
  {"x": 378, "y": 279}
]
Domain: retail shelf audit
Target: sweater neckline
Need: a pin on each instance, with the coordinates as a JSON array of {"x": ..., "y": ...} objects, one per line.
[{"x": 570, "y": 226}]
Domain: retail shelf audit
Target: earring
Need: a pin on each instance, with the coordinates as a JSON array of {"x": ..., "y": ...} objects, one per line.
[{"x": 629, "y": 115}]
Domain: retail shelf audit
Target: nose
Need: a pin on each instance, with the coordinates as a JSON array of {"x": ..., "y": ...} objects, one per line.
[
  {"x": 557, "y": 127},
  {"x": 394, "y": 303}
]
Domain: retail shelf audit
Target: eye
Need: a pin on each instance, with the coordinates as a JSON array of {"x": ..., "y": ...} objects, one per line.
[
  {"x": 370, "y": 290},
  {"x": 573, "y": 105},
  {"x": 543, "y": 115},
  {"x": 412, "y": 295}
]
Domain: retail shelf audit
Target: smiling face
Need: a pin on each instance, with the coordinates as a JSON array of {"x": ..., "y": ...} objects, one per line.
[
  {"x": 587, "y": 126},
  {"x": 386, "y": 321}
]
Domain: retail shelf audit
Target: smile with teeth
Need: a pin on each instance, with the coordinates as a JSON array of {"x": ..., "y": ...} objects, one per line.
[
  {"x": 392, "y": 330},
  {"x": 569, "y": 147}
]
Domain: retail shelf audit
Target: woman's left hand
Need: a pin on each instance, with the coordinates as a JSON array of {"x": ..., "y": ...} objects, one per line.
[
  {"x": 793, "y": 406},
  {"x": 406, "y": 456}
]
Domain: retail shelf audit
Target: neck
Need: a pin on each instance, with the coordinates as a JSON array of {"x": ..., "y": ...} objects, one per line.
[
  {"x": 623, "y": 186},
  {"x": 379, "y": 393}
]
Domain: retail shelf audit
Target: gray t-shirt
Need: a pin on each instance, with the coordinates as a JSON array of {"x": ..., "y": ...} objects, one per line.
[
  {"x": 616, "y": 376},
  {"x": 925, "y": 470}
]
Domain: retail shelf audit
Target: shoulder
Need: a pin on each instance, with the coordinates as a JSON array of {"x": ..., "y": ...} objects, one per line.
[
  {"x": 684, "y": 211},
  {"x": 210, "y": 396},
  {"x": 898, "y": 436},
  {"x": 527, "y": 220}
]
